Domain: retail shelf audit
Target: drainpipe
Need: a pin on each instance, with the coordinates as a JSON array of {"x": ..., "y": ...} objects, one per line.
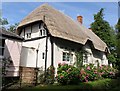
[
  {"x": 46, "y": 54},
  {"x": 52, "y": 51},
  {"x": 46, "y": 49},
  {"x": 36, "y": 70}
]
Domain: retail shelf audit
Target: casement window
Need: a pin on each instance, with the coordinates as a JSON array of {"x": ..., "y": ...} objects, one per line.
[
  {"x": 28, "y": 35},
  {"x": 85, "y": 58},
  {"x": 67, "y": 56},
  {"x": 42, "y": 32},
  {"x": 102, "y": 61}
]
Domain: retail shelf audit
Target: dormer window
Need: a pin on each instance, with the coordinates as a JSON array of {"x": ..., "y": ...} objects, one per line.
[
  {"x": 28, "y": 35},
  {"x": 42, "y": 32}
]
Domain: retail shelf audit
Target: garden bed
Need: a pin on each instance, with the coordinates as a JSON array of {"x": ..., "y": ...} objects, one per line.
[{"x": 101, "y": 85}]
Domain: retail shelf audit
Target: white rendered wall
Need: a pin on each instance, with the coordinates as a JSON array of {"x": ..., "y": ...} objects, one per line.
[
  {"x": 58, "y": 56},
  {"x": 95, "y": 56},
  {"x": 34, "y": 30},
  {"x": 29, "y": 53},
  {"x": 28, "y": 56}
]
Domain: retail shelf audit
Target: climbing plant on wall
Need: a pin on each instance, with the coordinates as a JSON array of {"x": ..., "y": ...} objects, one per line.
[{"x": 79, "y": 57}]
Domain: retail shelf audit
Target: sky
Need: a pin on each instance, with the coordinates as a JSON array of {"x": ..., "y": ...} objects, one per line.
[{"x": 16, "y": 11}]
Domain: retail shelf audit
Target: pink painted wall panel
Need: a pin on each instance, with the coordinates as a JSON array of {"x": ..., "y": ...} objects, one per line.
[{"x": 12, "y": 52}]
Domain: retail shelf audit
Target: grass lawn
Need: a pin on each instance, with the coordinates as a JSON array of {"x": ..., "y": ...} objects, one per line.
[{"x": 101, "y": 85}]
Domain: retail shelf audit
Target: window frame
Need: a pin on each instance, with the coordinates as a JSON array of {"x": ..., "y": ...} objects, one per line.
[
  {"x": 43, "y": 32},
  {"x": 66, "y": 56},
  {"x": 27, "y": 35}
]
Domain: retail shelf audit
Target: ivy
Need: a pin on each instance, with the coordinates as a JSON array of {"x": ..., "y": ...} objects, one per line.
[{"x": 79, "y": 57}]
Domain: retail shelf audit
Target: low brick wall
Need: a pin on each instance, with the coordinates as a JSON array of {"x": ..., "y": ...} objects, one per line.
[{"x": 27, "y": 75}]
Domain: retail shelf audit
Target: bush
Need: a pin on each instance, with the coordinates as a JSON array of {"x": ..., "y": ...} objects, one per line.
[
  {"x": 50, "y": 75},
  {"x": 107, "y": 71},
  {"x": 89, "y": 73},
  {"x": 67, "y": 74}
]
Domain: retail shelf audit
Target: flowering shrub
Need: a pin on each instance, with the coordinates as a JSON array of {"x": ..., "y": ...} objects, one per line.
[
  {"x": 89, "y": 73},
  {"x": 107, "y": 71},
  {"x": 67, "y": 74}
]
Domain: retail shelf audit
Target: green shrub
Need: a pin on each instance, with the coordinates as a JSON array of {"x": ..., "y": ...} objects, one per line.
[
  {"x": 67, "y": 74},
  {"x": 89, "y": 73},
  {"x": 50, "y": 75},
  {"x": 107, "y": 71}
]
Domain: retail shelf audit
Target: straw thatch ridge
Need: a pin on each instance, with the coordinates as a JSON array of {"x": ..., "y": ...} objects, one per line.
[{"x": 62, "y": 26}]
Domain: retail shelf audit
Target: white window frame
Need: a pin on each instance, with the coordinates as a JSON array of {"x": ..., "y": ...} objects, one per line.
[
  {"x": 28, "y": 35},
  {"x": 42, "y": 32},
  {"x": 68, "y": 56}
]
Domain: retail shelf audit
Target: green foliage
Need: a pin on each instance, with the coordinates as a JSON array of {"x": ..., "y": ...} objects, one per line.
[
  {"x": 79, "y": 57},
  {"x": 111, "y": 58},
  {"x": 50, "y": 75},
  {"x": 67, "y": 74},
  {"x": 89, "y": 73},
  {"x": 118, "y": 44},
  {"x": 102, "y": 29},
  {"x": 12, "y": 28},
  {"x": 3, "y": 21},
  {"x": 107, "y": 71}
]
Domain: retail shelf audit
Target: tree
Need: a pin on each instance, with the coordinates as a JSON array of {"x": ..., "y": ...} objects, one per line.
[
  {"x": 12, "y": 28},
  {"x": 3, "y": 22},
  {"x": 118, "y": 43},
  {"x": 103, "y": 29}
]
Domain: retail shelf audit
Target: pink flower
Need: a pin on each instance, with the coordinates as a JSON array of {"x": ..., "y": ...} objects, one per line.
[
  {"x": 86, "y": 80},
  {"x": 111, "y": 73},
  {"x": 101, "y": 67},
  {"x": 61, "y": 76},
  {"x": 95, "y": 72},
  {"x": 82, "y": 71},
  {"x": 88, "y": 68},
  {"x": 87, "y": 76},
  {"x": 101, "y": 73},
  {"x": 63, "y": 63}
]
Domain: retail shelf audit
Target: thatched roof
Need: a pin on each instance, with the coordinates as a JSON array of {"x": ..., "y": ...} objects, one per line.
[
  {"x": 62, "y": 26},
  {"x": 7, "y": 34}
]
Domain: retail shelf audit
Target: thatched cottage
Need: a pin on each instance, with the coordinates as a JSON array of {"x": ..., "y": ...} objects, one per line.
[{"x": 51, "y": 37}]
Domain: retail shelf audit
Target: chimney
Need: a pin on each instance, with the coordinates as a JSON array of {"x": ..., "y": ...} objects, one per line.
[{"x": 80, "y": 19}]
